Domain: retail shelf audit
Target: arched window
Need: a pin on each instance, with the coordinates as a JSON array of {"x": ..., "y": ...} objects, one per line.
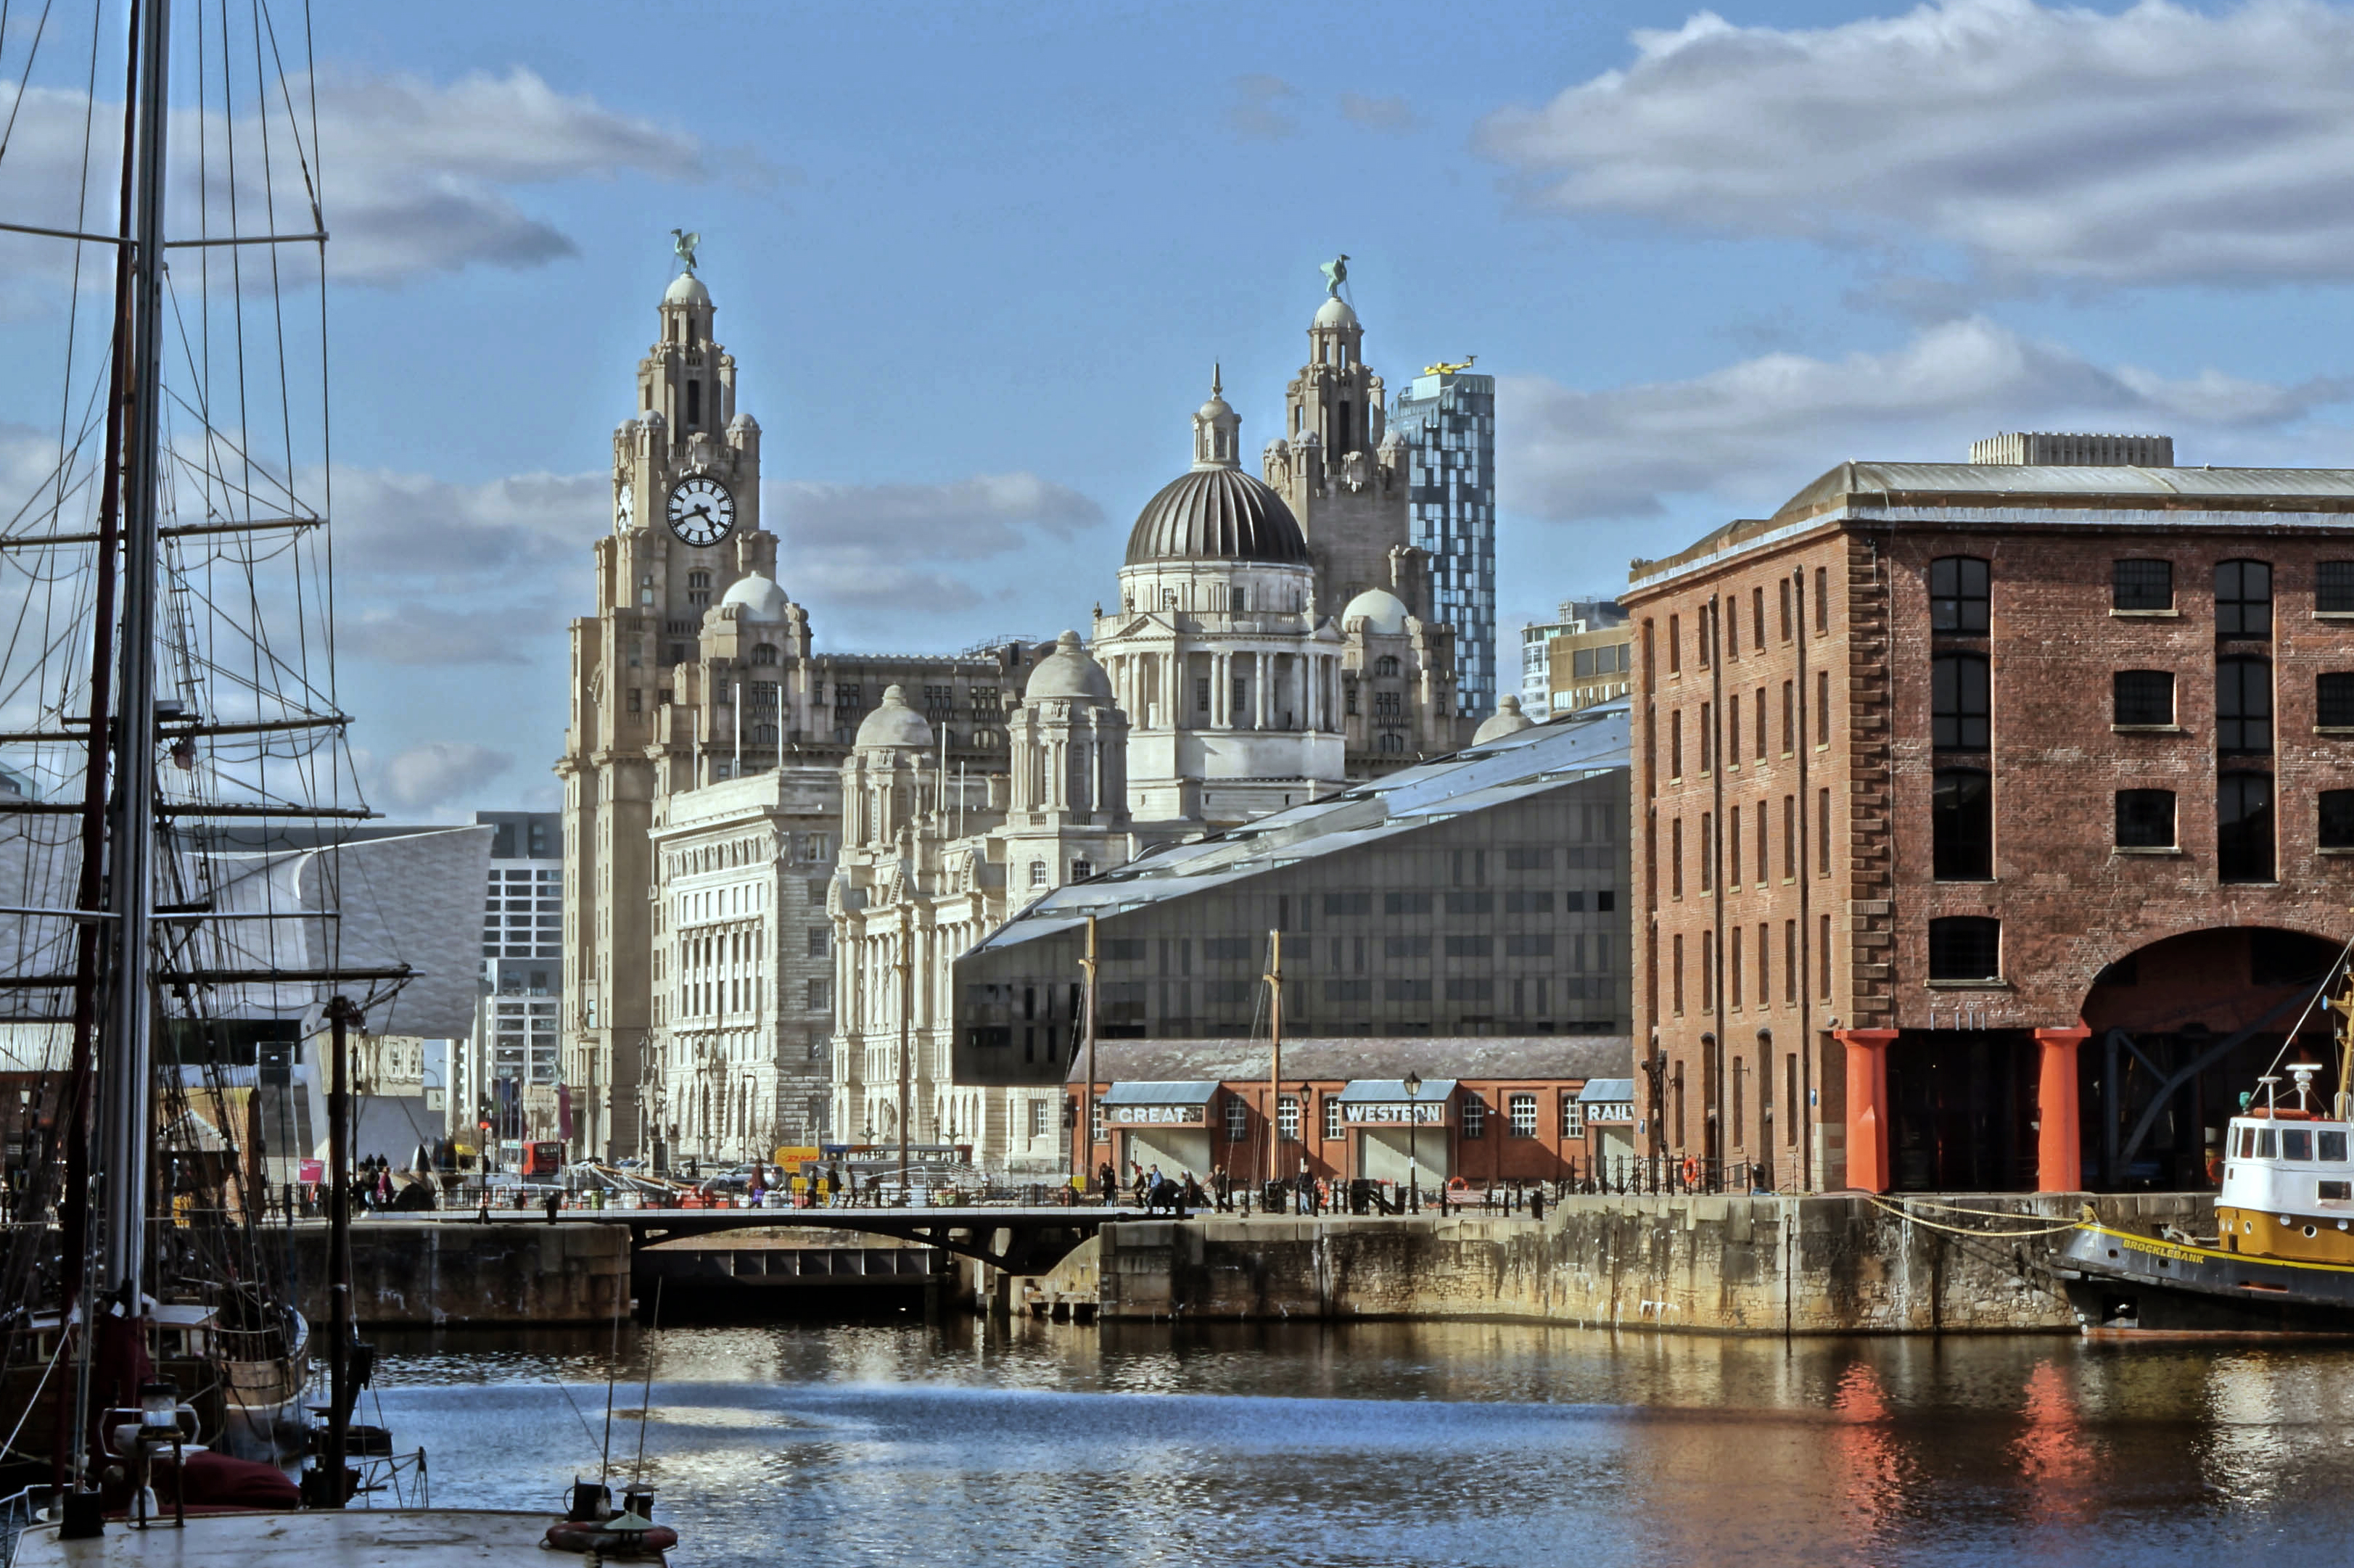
[
  {"x": 1081, "y": 870},
  {"x": 764, "y": 652},
  {"x": 1391, "y": 741},
  {"x": 763, "y": 734},
  {"x": 1387, "y": 664}
]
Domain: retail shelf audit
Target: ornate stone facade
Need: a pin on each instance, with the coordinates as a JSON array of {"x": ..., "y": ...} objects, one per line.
[{"x": 697, "y": 669}]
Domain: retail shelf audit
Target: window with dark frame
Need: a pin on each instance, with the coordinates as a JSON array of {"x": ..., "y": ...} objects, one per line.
[
  {"x": 2243, "y": 599},
  {"x": 2335, "y": 830},
  {"x": 2244, "y": 706},
  {"x": 2243, "y": 827},
  {"x": 1958, "y": 595},
  {"x": 1961, "y": 817},
  {"x": 1965, "y": 947},
  {"x": 2333, "y": 700},
  {"x": 2145, "y": 818},
  {"x": 2141, "y": 585},
  {"x": 2333, "y": 588},
  {"x": 2142, "y": 697},
  {"x": 1959, "y": 702}
]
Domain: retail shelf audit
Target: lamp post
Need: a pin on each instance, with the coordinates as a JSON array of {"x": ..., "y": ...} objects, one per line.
[{"x": 1413, "y": 1141}]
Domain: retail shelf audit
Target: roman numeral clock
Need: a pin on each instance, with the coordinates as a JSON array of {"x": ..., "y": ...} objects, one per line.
[{"x": 700, "y": 511}]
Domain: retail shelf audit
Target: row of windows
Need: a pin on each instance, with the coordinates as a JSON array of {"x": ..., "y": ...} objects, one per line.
[
  {"x": 1761, "y": 730},
  {"x": 1760, "y": 834},
  {"x": 1960, "y": 593},
  {"x": 1470, "y": 1116},
  {"x": 1707, "y": 637},
  {"x": 1962, "y": 823},
  {"x": 1745, "y": 959},
  {"x": 1961, "y": 701}
]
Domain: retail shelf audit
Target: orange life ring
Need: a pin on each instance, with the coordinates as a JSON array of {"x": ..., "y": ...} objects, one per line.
[
  {"x": 1692, "y": 1170},
  {"x": 580, "y": 1535},
  {"x": 1459, "y": 1185}
]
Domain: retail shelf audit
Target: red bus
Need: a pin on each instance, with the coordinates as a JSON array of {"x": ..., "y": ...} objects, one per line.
[{"x": 543, "y": 1160}]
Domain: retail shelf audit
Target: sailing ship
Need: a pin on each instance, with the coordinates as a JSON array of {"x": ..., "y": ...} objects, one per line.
[
  {"x": 168, "y": 676},
  {"x": 2281, "y": 1261}
]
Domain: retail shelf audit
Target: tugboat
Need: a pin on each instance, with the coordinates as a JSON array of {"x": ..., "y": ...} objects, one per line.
[{"x": 2281, "y": 1259}]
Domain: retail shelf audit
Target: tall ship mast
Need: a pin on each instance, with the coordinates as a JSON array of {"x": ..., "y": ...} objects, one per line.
[{"x": 177, "y": 804}]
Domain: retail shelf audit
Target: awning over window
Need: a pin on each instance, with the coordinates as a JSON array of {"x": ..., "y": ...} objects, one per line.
[
  {"x": 1198, "y": 1093},
  {"x": 1182, "y": 1104},
  {"x": 1383, "y": 1102},
  {"x": 1606, "y": 1091}
]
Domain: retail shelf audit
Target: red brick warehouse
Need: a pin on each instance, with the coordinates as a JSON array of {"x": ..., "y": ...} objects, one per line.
[{"x": 1945, "y": 769}]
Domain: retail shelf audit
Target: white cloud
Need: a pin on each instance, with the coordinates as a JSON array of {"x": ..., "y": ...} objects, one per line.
[
  {"x": 1750, "y": 433},
  {"x": 1258, "y": 111},
  {"x": 860, "y": 556},
  {"x": 438, "y": 773},
  {"x": 421, "y": 177},
  {"x": 1377, "y": 113},
  {"x": 2157, "y": 145}
]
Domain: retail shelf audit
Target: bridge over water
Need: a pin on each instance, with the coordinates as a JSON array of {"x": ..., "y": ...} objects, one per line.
[{"x": 1017, "y": 1240}]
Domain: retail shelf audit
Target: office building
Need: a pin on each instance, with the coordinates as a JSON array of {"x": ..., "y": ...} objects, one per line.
[{"x": 1449, "y": 417}]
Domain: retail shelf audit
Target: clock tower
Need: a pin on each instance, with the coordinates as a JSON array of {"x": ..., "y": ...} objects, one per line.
[{"x": 686, "y": 528}]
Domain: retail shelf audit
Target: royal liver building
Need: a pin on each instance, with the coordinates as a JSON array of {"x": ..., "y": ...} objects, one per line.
[{"x": 773, "y": 856}]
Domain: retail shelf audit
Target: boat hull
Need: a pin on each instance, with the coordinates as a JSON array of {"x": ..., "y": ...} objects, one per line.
[{"x": 2122, "y": 1286}]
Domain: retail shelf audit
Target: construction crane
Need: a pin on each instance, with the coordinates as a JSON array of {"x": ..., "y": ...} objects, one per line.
[{"x": 1443, "y": 369}]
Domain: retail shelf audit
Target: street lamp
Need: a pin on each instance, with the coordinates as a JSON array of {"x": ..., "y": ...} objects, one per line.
[{"x": 1413, "y": 1141}]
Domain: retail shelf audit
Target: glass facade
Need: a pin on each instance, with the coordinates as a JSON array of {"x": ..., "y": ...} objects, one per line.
[
  {"x": 1450, "y": 418},
  {"x": 1504, "y": 920}
]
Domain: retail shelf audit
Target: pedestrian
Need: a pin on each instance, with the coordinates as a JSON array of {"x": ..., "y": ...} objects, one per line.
[
  {"x": 553, "y": 1201},
  {"x": 1221, "y": 1188}
]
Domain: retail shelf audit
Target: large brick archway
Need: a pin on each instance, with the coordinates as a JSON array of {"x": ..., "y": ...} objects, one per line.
[{"x": 2179, "y": 1029}]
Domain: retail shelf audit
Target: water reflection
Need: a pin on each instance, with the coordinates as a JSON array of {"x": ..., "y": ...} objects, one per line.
[{"x": 1397, "y": 1444}]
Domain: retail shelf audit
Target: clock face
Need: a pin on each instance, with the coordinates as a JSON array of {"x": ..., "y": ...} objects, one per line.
[
  {"x": 626, "y": 506},
  {"x": 701, "y": 511}
]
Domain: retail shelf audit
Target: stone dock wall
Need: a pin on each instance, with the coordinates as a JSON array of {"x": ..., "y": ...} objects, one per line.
[
  {"x": 436, "y": 1274},
  {"x": 1763, "y": 1265}
]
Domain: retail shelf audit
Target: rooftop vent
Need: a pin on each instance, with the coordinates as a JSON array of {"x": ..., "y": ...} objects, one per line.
[{"x": 2044, "y": 449}]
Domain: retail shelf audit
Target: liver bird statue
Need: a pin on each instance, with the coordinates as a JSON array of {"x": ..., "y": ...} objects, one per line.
[
  {"x": 683, "y": 244},
  {"x": 1336, "y": 273}
]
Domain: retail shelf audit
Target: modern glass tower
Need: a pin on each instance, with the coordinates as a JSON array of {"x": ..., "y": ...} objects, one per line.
[{"x": 1451, "y": 417}]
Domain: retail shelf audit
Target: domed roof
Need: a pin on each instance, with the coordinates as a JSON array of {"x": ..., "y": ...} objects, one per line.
[
  {"x": 894, "y": 724},
  {"x": 1381, "y": 610},
  {"x": 686, "y": 289},
  {"x": 1335, "y": 312},
  {"x": 1216, "y": 514},
  {"x": 1508, "y": 719},
  {"x": 1069, "y": 675},
  {"x": 762, "y": 599}
]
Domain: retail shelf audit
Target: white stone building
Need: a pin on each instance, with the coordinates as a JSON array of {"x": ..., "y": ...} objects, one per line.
[
  {"x": 743, "y": 1008},
  {"x": 931, "y": 865}
]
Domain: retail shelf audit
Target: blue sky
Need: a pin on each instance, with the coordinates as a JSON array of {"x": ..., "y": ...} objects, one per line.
[{"x": 975, "y": 262}]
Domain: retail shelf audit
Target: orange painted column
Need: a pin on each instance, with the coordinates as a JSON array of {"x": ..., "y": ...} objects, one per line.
[
  {"x": 2059, "y": 1138},
  {"x": 1867, "y": 1106}
]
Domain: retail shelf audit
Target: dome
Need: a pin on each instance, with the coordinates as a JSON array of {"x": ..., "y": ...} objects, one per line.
[
  {"x": 1335, "y": 312},
  {"x": 745, "y": 422},
  {"x": 762, "y": 599},
  {"x": 894, "y": 724},
  {"x": 686, "y": 289},
  {"x": 1069, "y": 675},
  {"x": 1381, "y": 609},
  {"x": 1508, "y": 719},
  {"x": 1216, "y": 514}
]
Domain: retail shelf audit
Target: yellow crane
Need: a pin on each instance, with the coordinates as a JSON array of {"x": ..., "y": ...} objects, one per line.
[{"x": 1443, "y": 369}]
